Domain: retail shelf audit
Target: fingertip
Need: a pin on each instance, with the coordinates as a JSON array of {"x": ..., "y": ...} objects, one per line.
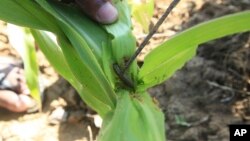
[
  {"x": 14, "y": 102},
  {"x": 26, "y": 102},
  {"x": 107, "y": 14}
]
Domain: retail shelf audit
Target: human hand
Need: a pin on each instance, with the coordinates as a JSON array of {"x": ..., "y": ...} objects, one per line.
[
  {"x": 14, "y": 93},
  {"x": 101, "y": 11}
]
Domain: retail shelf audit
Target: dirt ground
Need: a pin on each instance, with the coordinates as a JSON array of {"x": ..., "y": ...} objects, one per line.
[{"x": 199, "y": 102}]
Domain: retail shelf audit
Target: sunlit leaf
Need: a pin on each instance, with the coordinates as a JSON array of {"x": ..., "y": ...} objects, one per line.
[
  {"x": 136, "y": 118},
  {"x": 168, "y": 57},
  {"x": 142, "y": 11},
  {"x": 50, "y": 48},
  {"x": 90, "y": 71},
  {"x": 27, "y": 13},
  {"x": 123, "y": 43}
]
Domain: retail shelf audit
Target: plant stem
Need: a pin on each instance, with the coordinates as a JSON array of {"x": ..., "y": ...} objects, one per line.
[{"x": 151, "y": 33}]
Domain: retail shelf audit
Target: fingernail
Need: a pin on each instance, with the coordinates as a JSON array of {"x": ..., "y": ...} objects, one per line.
[{"x": 107, "y": 13}]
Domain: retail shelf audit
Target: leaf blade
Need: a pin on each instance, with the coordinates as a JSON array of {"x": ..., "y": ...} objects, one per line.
[
  {"x": 50, "y": 48},
  {"x": 142, "y": 12},
  {"x": 27, "y": 13},
  {"x": 89, "y": 60},
  {"x": 151, "y": 73},
  {"x": 136, "y": 118}
]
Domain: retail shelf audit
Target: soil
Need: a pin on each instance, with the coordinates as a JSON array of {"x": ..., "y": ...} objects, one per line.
[{"x": 199, "y": 102}]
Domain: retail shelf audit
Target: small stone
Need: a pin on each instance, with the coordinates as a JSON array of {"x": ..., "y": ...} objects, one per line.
[
  {"x": 57, "y": 116},
  {"x": 97, "y": 120},
  {"x": 60, "y": 102}
]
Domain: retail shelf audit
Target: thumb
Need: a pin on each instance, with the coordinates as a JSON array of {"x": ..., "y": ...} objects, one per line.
[{"x": 101, "y": 11}]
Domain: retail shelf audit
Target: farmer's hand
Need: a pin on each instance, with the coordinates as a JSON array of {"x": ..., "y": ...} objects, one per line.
[{"x": 100, "y": 10}]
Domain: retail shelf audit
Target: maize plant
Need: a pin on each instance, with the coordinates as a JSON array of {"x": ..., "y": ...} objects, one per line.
[{"x": 93, "y": 58}]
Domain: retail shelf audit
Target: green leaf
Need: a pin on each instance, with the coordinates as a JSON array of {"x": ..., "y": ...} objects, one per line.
[
  {"x": 74, "y": 18},
  {"x": 168, "y": 57},
  {"x": 87, "y": 76},
  {"x": 88, "y": 71},
  {"x": 22, "y": 40},
  {"x": 142, "y": 11},
  {"x": 136, "y": 118},
  {"x": 27, "y": 13},
  {"x": 123, "y": 43},
  {"x": 50, "y": 49},
  {"x": 180, "y": 120},
  {"x": 60, "y": 63}
]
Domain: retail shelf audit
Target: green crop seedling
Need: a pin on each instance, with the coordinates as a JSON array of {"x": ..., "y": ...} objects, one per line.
[{"x": 94, "y": 59}]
